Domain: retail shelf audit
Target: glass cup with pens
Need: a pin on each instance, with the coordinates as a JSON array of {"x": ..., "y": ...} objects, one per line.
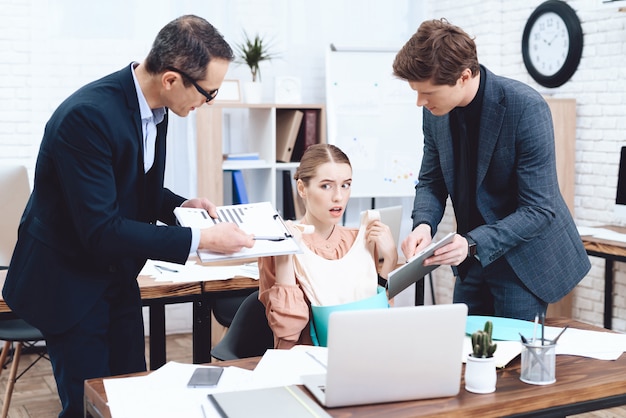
[{"x": 539, "y": 357}]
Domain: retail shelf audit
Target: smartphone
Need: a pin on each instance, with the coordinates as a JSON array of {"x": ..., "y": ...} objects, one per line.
[{"x": 205, "y": 377}]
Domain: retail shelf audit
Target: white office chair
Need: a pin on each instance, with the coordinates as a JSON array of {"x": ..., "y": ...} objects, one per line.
[
  {"x": 16, "y": 333},
  {"x": 14, "y": 193}
]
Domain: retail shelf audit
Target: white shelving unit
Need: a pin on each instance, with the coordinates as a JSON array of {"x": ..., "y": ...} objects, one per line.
[{"x": 244, "y": 128}]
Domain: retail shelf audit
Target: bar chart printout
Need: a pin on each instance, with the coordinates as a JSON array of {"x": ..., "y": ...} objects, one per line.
[{"x": 272, "y": 236}]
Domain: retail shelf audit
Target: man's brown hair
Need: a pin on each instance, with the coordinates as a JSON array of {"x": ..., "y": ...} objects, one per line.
[{"x": 437, "y": 52}]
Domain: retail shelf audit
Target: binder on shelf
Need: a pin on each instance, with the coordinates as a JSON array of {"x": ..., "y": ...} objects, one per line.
[
  {"x": 287, "y": 127},
  {"x": 308, "y": 134},
  {"x": 289, "y": 210},
  {"x": 240, "y": 194},
  {"x": 272, "y": 237}
]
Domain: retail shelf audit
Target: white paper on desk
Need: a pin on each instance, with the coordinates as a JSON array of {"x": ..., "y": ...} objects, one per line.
[
  {"x": 586, "y": 231},
  {"x": 192, "y": 272},
  {"x": 259, "y": 219},
  {"x": 598, "y": 345},
  {"x": 284, "y": 367},
  {"x": 157, "y": 268},
  {"x": 593, "y": 344},
  {"x": 164, "y": 393},
  {"x": 601, "y": 233}
]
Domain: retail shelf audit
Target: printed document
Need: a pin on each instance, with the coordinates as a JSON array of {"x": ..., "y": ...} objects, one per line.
[{"x": 272, "y": 237}]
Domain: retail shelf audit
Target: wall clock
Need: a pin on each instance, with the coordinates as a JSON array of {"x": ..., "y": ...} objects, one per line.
[
  {"x": 287, "y": 90},
  {"x": 552, "y": 43}
]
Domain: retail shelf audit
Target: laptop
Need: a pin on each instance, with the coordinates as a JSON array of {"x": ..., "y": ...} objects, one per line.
[{"x": 390, "y": 355}]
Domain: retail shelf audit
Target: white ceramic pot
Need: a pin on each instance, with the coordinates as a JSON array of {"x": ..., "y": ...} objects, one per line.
[
  {"x": 480, "y": 374},
  {"x": 252, "y": 92}
]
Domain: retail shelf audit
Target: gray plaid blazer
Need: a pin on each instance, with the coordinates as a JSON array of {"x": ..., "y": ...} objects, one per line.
[{"x": 517, "y": 193}]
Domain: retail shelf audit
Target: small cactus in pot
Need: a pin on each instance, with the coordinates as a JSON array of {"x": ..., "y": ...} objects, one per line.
[{"x": 482, "y": 346}]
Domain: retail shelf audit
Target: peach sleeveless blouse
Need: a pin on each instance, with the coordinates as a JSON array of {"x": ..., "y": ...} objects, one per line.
[{"x": 350, "y": 278}]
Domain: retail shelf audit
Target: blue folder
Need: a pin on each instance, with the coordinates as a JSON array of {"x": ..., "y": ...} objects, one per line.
[{"x": 240, "y": 194}]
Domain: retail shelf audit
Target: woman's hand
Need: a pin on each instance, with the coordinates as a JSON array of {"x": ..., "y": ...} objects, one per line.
[{"x": 380, "y": 235}]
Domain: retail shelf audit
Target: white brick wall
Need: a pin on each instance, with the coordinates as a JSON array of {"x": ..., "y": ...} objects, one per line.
[
  {"x": 14, "y": 104},
  {"x": 51, "y": 47}
]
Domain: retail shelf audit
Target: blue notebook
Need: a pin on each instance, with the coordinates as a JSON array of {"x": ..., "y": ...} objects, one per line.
[{"x": 504, "y": 329}]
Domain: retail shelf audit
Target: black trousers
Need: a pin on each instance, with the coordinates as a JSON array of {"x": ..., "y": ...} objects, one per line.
[{"x": 108, "y": 341}]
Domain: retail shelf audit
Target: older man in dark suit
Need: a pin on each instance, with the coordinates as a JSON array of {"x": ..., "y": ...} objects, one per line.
[
  {"x": 489, "y": 145},
  {"x": 98, "y": 192}
]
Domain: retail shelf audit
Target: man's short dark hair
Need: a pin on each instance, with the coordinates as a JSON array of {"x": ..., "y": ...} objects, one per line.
[
  {"x": 437, "y": 52},
  {"x": 188, "y": 43}
]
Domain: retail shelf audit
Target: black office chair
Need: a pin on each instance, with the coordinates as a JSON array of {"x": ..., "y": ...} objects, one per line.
[
  {"x": 249, "y": 335},
  {"x": 225, "y": 306},
  {"x": 17, "y": 334}
]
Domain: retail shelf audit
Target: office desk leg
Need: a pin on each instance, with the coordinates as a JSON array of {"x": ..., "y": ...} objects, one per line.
[
  {"x": 608, "y": 293},
  {"x": 202, "y": 330},
  {"x": 157, "y": 336}
]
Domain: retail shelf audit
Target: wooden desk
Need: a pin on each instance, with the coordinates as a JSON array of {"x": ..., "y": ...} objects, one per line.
[
  {"x": 582, "y": 385},
  {"x": 155, "y": 295},
  {"x": 611, "y": 251}
]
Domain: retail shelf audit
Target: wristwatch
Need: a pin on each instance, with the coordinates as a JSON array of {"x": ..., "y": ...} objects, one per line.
[{"x": 472, "y": 250}]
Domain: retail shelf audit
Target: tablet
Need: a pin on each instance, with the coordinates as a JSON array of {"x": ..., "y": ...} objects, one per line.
[{"x": 414, "y": 269}]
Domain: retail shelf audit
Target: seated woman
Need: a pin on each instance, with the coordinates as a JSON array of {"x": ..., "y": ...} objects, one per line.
[{"x": 338, "y": 264}]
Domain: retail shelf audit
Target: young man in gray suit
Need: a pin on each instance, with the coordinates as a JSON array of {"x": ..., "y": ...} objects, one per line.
[
  {"x": 98, "y": 192},
  {"x": 489, "y": 145}
]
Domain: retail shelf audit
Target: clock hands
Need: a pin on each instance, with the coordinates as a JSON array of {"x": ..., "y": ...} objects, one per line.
[{"x": 552, "y": 40}]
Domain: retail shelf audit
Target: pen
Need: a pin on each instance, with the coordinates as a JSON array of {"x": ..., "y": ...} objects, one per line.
[
  {"x": 534, "y": 354},
  {"x": 535, "y": 327},
  {"x": 560, "y": 333},
  {"x": 318, "y": 361},
  {"x": 269, "y": 238},
  {"x": 203, "y": 411},
  {"x": 543, "y": 325},
  {"x": 163, "y": 268}
]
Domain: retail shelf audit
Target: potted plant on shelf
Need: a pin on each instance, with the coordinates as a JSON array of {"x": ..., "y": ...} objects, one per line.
[
  {"x": 480, "y": 367},
  {"x": 252, "y": 51}
]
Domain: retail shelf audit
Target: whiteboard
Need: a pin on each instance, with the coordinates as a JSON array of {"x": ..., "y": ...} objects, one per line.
[{"x": 373, "y": 118}]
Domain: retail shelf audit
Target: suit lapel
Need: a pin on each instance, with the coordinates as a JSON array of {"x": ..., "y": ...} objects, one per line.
[
  {"x": 132, "y": 103},
  {"x": 491, "y": 120}
]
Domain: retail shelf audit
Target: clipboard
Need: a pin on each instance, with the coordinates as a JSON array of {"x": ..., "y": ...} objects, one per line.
[
  {"x": 272, "y": 237},
  {"x": 414, "y": 269}
]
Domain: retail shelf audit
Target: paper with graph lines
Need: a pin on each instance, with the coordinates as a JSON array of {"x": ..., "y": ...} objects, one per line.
[{"x": 272, "y": 237}]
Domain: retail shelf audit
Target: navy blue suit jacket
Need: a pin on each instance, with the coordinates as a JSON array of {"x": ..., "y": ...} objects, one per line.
[
  {"x": 517, "y": 194},
  {"x": 91, "y": 218}
]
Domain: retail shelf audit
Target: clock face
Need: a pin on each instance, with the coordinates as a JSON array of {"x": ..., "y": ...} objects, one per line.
[
  {"x": 548, "y": 44},
  {"x": 552, "y": 43},
  {"x": 288, "y": 90}
]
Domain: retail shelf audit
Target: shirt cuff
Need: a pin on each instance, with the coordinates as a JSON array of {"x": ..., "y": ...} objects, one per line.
[{"x": 195, "y": 240}]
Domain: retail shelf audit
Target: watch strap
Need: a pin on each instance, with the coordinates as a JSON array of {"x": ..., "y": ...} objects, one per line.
[{"x": 472, "y": 248}]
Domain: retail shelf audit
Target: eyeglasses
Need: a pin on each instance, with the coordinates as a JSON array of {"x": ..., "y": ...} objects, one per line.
[{"x": 209, "y": 95}]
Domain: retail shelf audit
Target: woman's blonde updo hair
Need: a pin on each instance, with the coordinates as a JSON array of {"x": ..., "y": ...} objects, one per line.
[{"x": 316, "y": 155}]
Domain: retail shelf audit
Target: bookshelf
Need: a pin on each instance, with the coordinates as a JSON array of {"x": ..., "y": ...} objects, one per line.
[
  {"x": 240, "y": 128},
  {"x": 564, "y": 120}
]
